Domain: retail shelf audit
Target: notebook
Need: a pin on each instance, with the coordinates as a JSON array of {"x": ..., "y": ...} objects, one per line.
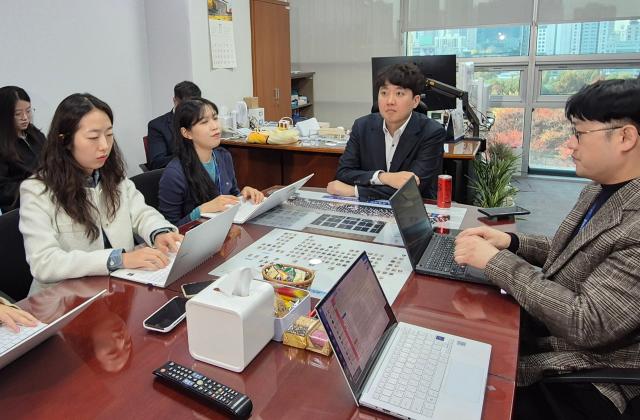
[
  {"x": 14, "y": 345},
  {"x": 430, "y": 253},
  {"x": 249, "y": 210},
  {"x": 199, "y": 243},
  {"x": 397, "y": 368}
]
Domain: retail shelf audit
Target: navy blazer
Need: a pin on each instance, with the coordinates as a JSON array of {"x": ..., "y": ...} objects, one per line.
[
  {"x": 160, "y": 140},
  {"x": 419, "y": 150},
  {"x": 175, "y": 200}
]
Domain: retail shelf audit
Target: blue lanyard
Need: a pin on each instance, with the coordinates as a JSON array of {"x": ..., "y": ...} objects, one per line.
[{"x": 213, "y": 170}]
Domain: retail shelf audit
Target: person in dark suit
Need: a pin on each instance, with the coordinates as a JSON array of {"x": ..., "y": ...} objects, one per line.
[
  {"x": 580, "y": 289},
  {"x": 385, "y": 149},
  {"x": 160, "y": 130},
  {"x": 200, "y": 179},
  {"x": 20, "y": 144}
]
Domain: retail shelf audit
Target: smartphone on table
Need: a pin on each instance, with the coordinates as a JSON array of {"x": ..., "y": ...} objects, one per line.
[
  {"x": 504, "y": 211},
  {"x": 192, "y": 289},
  {"x": 167, "y": 316}
]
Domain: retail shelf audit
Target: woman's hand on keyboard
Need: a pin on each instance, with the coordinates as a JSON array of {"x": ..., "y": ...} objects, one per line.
[
  {"x": 11, "y": 317},
  {"x": 145, "y": 258},
  {"x": 497, "y": 238},
  {"x": 168, "y": 242},
  {"x": 219, "y": 203}
]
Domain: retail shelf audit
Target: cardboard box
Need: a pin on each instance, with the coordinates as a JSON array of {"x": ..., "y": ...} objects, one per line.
[{"x": 251, "y": 101}]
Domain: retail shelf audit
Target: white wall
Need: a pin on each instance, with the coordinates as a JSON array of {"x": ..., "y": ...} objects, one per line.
[
  {"x": 222, "y": 86},
  {"x": 53, "y": 49},
  {"x": 336, "y": 39},
  {"x": 169, "y": 49},
  {"x": 130, "y": 53}
]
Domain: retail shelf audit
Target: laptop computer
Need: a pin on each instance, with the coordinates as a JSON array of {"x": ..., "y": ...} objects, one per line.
[
  {"x": 14, "y": 345},
  {"x": 397, "y": 368},
  {"x": 249, "y": 210},
  {"x": 430, "y": 253},
  {"x": 199, "y": 243}
]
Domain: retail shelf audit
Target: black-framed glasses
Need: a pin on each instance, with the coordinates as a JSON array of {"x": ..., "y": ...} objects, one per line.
[{"x": 578, "y": 133}]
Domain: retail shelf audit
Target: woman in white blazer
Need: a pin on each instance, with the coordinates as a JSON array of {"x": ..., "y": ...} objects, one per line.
[{"x": 79, "y": 212}]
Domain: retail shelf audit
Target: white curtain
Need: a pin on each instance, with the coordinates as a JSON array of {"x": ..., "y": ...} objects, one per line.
[{"x": 558, "y": 11}]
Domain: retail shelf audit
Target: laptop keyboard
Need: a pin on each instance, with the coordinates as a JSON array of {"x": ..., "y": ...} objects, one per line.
[
  {"x": 9, "y": 339},
  {"x": 441, "y": 258},
  {"x": 414, "y": 372}
]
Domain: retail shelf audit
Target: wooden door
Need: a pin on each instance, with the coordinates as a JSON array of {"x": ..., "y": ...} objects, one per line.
[{"x": 271, "y": 57}]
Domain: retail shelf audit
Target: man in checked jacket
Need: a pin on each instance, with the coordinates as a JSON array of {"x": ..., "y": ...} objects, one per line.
[{"x": 580, "y": 290}]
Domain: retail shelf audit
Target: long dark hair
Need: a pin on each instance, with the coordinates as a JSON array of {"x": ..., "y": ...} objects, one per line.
[
  {"x": 188, "y": 113},
  {"x": 9, "y": 97},
  {"x": 65, "y": 178}
]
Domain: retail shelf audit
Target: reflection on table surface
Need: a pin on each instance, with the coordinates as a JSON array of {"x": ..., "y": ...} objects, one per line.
[{"x": 100, "y": 365}]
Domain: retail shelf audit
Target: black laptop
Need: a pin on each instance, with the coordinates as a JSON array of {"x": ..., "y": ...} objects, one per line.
[{"x": 430, "y": 253}]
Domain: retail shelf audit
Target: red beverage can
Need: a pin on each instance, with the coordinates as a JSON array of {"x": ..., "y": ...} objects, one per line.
[{"x": 444, "y": 191}]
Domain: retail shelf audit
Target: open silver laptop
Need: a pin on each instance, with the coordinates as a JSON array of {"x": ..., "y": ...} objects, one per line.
[
  {"x": 397, "y": 368},
  {"x": 249, "y": 210},
  {"x": 198, "y": 244},
  {"x": 14, "y": 345}
]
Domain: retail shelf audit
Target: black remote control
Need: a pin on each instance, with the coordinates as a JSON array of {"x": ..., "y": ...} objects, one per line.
[{"x": 223, "y": 397}]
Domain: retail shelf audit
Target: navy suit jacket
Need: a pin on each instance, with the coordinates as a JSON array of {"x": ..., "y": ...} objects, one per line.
[
  {"x": 160, "y": 140},
  {"x": 419, "y": 150},
  {"x": 175, "y": 200}
]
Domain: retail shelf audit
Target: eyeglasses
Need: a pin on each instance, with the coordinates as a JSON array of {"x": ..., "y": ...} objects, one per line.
[{"x": 578, "y": 133}]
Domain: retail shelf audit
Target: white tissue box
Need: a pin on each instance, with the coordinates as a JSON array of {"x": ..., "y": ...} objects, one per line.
[{"x": 227, "y": 330}]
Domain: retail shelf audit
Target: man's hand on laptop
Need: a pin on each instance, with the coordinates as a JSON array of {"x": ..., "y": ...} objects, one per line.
[
  {"x": 12, "y": 317},
  {"x": 397, "y": 179},
  {"x": 495, "y": 237},
  {"x": 474, "y": 250},
  {"x": 340, "y": 188},
  {"x": 146, "y": 258},
  {"x": 168, "y": 242},
  {"x": 218, "y": 204},
  {"x": 252, "y": 194}
]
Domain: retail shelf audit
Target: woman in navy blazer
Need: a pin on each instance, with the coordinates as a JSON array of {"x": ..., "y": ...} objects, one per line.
[{"x": 200, "y": 179}]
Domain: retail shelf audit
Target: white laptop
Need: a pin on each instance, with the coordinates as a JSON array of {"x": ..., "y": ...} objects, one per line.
[
  {"x": 249, "y": 210},
  {"x": 198, "y": 244},
  {"x": 397, "y": 368},
  {"x": 14, "y": 345}
]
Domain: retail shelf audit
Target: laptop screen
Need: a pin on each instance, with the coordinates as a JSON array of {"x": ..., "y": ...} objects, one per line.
[
  {"x": 356, "y": 315},
  {"x": 412, "y": 219}
]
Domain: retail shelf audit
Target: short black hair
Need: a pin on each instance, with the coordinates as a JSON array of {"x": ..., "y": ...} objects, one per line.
[
  {"x": 406, "y": 75},
  {"x": 606, "y": 101},
  {"x": 186, "y": 90}
]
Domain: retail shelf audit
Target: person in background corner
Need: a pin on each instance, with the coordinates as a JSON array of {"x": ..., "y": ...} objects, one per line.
[
  {"x": 580, "y": 290},
  {"x": 20, "y": 144},
  {"x": 79, "y": 212},
  {"x": 160, "y": 130},
  {"x": 200, "y": 179},
  {"x": 386, "y": 149}
]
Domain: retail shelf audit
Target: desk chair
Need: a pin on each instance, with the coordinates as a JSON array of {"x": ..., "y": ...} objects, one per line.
[
  {"x": 148, "y": 183},
  {"x": 16, "y": 278},
  {"x": 145, "y": 166}
]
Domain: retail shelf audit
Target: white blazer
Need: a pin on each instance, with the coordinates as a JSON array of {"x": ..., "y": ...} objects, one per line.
[{"x": 57, "y": 247}]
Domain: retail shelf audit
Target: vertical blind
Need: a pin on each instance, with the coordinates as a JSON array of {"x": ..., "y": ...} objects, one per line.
[{"x": 420, "y": 15}]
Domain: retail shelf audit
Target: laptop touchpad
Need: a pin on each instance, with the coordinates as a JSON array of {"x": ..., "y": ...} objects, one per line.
[{"x": 465, "y": 382}]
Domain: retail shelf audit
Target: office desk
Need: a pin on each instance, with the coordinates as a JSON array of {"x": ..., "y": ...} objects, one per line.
[
  {"x": 100, "y": 365},
  {"x": 264, "y": 165}
]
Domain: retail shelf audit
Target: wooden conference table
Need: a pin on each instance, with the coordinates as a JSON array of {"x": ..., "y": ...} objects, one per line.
[
  {"x": 100, "y": 365},
  {"x": 264, "y": 165}
]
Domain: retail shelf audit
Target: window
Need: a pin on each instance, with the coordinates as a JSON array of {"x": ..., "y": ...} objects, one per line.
[
  {"x": 548, "y": 150},
  {"x": 569, "y": 81},
  {"x": 609, "y": 37},
  {"x": 503, "y": 83},
  {"x": 506, "y": 41}
]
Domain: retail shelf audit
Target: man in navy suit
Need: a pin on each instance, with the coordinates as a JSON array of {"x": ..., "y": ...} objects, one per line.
[
  {"x": 385, "y": 149},
  {"x": 160, "y": 130}
]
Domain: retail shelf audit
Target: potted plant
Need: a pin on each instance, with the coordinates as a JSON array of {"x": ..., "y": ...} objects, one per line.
[{"x": 493, "y": 174}]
